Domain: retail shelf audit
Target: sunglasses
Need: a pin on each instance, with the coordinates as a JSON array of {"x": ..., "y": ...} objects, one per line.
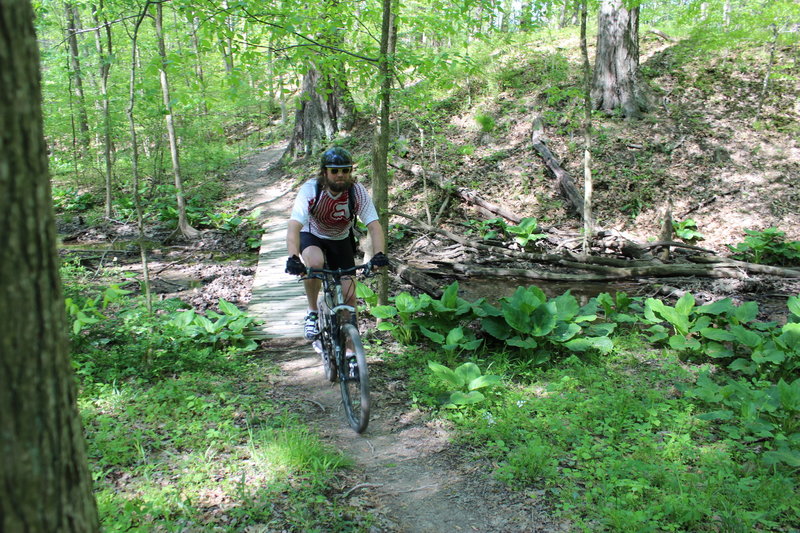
[{"x": 335, "y": 171}]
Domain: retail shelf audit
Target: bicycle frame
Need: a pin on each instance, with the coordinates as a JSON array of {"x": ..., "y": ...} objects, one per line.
[{"x": 337, "y": 334}]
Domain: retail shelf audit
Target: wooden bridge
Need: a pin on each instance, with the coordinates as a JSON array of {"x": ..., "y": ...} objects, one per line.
[{"x": 278, "y": 298}]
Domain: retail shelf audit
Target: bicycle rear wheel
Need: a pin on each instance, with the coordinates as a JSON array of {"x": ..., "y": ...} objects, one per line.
[{"x": 354, "y": 380}]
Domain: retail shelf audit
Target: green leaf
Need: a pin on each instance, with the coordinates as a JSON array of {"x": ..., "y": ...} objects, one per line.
[
  {"x": 384, "y": 311},
  {"x": 784, "y": 455},
  {"x": 460, "y": 398},
  {"x": 745, "y": 366},
  {"x": 794, "y": 305},
  {"x": 228, "y": 308},
  {"x": 716, "y": 334},
  {"x": 484, "y": 381},
  {"x": 446, "y": 375},
  {"x": 749, "y": 338},
  {"x": 468, "y": 372},
  {"x": 517, "y": 318},
  {"x": 438, "y": 338},
  {"x": 717, "y": 308},
  {"x": 564, "y": 332},
  {"x": 566, "y": 307},
  {"x": 496, "y": 327},
  {"x": 679, "y": 342},
  {"x": 471, "y": 345},
  {"x": 455, "y": 336},
  {"x": 789, "y": 395},
  {"x": 449, "y": 299},
  {"x": 790, "y": 336},
  {"x": 685, "y": 304},
  {"x": 716, "y": 350},
  {"x": 657, "y": 333},
  {"x": 723, "y": 414},
  {"x": 543, "y": 320},
  {"x": 601, "y": 344},
  {"x": 747, "y": 312},
  {"x": 768, "y": 354},
  {"x": 528, "y": 343},
  {"x": 183, "y": 318}
]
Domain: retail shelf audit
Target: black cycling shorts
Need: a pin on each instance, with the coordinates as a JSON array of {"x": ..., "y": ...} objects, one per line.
[{"x": 338, "y": 254}]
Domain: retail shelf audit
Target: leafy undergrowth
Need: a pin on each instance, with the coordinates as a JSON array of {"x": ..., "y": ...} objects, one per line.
[
  {"x": 672, "y": 423},
  {"x": 182, "y": 427}
]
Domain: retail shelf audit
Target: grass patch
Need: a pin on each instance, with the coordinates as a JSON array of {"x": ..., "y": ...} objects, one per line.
[
  {"x": 614, "y": 444},
  {"x": 203, "y": 451}
]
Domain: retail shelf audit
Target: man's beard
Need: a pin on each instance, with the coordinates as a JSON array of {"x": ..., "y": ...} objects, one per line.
[{"x": 337, "y": 187}]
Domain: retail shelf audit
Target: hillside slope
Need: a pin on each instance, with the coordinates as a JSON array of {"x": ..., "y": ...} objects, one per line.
[{"x": 700, "y": 147}]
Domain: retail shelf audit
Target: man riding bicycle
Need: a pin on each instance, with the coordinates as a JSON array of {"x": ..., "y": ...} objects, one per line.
[{"x": 320, "y": 228}]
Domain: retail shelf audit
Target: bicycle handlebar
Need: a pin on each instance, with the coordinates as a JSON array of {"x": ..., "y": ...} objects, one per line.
[{"x": 320, "y": 273}]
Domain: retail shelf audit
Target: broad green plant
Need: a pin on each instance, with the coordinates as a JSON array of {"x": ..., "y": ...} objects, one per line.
[
  {"x": 90, "y": 310},
  {"x": 729, "y": 335},
  {"x": 767, "y": 247},
  {"x": 217, "y": 330},
  {"x": 464, "y": 382},
  {"x": 539, "y": 327},
  {"x": 756, "y": 411},
  {"x": 525, "y": 232},
  {"x": 687, "y": 230}
]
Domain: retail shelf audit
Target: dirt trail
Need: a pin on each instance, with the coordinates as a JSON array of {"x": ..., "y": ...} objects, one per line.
[{"x": 405, "y": 468}]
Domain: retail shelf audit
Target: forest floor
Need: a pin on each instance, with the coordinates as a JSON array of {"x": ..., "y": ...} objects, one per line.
[
  {"x": 698, "y": 151},
  {"x": 406, "y": 470}
]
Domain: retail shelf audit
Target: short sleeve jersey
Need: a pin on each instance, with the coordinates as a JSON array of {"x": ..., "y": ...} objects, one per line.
[{"x": 331, "y": 218}]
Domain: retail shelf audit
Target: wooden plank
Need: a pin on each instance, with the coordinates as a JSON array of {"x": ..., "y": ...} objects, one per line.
[{"x": 277, "y": 298}]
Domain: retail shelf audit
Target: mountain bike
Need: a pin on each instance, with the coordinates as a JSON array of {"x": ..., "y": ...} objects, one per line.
[{"x": 338, "y": 335}]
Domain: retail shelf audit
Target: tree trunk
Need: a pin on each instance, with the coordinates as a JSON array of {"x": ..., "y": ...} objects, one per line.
[
  {"x": 183, "y": 223},
  {"x": 325, "y": 109},
  {"x": 105, "y": 66},
  {"x": 617, "y": 83},
  {"x": 326, "y": 105},
  {"x": 46, "y": 485},
  {"x": 71, "y": 13},
  {"x": 380, "y": 152},
  {"x": 588, "y": 225},
  {"x": 137, "y": 201},
  {"x": 194, "y": 24}
]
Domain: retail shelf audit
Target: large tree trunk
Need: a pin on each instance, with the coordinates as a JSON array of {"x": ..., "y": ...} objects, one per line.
[
  {"x": 183, "y": 222},
  {"x": 45, "y": 485},
  {"x": 325, "y": 109},
  {"x": 617, "y": 82}
]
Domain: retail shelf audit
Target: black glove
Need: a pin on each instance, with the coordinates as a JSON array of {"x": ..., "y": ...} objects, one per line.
[
  {"x": 294, "y": 266},
  {"x": 379, "y": 260}
]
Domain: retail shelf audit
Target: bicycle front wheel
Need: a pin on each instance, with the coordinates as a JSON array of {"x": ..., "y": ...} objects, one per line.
[{"x": 354, "y": 379}]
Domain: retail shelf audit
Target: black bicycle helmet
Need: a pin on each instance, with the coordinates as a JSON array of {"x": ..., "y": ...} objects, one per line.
[{"x": 336, "y": 157}]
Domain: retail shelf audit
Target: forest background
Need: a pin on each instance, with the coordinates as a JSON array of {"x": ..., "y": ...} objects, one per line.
[{"x": 148, "y": 105}]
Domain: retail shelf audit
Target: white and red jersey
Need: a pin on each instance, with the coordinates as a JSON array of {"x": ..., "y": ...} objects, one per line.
[{"x": 331, "y": 218}]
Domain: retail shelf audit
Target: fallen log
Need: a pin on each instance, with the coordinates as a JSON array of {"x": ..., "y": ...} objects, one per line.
[
  {"x": 417, "y": 278},
  {"x": 468, "y": 195},
  {"x": 610, "y": 273},
  {"x": 564, "y": 180},
  {"x": 754, "y": 268},
  {"x": 605, "y": 268}
]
